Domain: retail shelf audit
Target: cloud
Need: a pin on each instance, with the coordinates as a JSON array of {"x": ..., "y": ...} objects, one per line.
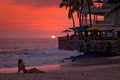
[{"x": 38, "y": 3}]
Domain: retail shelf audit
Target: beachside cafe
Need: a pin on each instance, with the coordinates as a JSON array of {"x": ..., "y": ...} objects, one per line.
[
  {"x": 95, "y": 32},
  {"x": 95, "y": 38}
]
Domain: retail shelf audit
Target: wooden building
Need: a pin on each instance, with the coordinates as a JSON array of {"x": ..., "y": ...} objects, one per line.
[{"x": 105, "y": 38}]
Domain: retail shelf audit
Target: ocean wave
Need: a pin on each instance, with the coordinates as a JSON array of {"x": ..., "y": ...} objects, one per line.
[{"x": 35, "y": 57}]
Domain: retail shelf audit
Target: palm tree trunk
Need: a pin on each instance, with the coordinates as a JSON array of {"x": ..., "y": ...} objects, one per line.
[
  {"x": 73, "y": 20},
  {"x": 73, "y": 23},
  {"x": 80, "y": 23},
  {"x": 89, "y": 12},
  {"x": 79, "y": 19},
  {"x": 70, "y": 14},
  {"x": 85, "y": 18}
]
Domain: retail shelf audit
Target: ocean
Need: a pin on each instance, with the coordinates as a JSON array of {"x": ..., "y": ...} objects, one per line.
[{"x": 34, "y": 52}]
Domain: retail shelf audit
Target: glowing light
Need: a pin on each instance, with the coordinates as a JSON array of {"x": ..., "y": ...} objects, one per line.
[{"x": 53, "y": 36}]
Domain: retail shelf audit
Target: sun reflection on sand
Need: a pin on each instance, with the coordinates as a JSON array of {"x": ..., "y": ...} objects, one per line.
[{"x": 47, "y": 67}]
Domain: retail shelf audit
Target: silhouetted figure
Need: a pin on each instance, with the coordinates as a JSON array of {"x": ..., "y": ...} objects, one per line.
[{"x": 21, "y": 67}]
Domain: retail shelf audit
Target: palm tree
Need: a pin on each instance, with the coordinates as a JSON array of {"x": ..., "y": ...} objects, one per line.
[
  {"x": 77, "y": 7},
  {"x": 115, "y": 8},
  {"x": 89, "y": 4},
  {"x": 69, "y": 5},
  {"x": 74, "y": 6}
]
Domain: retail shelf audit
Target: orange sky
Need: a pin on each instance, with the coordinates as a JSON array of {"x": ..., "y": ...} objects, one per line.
[{"x": 32, "y": 18}]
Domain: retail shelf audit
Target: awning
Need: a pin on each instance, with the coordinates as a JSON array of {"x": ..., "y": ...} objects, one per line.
[
  {"x": 93, "y": 28},
  {"x": 66, "y": 31},
  {"x": 81, "y": 28}
]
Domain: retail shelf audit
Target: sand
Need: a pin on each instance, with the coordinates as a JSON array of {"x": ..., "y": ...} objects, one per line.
[{"x": 72, "y": 71}]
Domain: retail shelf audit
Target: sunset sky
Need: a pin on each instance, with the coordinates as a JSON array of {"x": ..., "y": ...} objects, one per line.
[{"x": 32, "y": 18}]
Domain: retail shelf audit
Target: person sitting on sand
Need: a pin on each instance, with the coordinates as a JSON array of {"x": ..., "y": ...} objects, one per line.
[{"x": 21, "y": 67}]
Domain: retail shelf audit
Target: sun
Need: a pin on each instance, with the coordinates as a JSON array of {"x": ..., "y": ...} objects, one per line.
[{"x": 53, "y": 36}]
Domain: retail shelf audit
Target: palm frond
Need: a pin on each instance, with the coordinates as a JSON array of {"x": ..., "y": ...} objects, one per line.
[
  {"x": 67, "y": 5},
  {"x": 61, "y": 5}
]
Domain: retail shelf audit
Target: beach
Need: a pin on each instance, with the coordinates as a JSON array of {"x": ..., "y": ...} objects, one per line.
[
  {"x": 106, "y": 70},
  {"x": 37, "y": 37}
]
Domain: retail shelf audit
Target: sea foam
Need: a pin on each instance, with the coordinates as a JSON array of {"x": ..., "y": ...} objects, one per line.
[{"x": 35, "y": 57}]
